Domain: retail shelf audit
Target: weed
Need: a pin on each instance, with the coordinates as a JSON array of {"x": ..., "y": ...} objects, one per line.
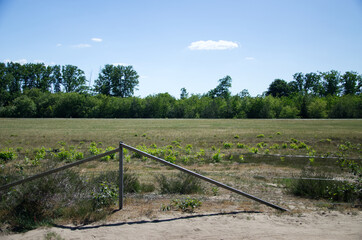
[
  {"x": 8, "y": 155},
  {"x": 217, "y": 157},
  {"x": 293, "y": 146},
  {"x": 186, "y": 205},
  {"x": 105, "y": 197},
  {"x": 260, "y": 136},
  {"x": 275, "y": 146},
  {"x": 236, "y": 136},
  {"x": 254, "y": 150},
  {"x": 215, "y": 191},
  {"x": 181, "y": 183},
  {"x": 228, "y": 145}
]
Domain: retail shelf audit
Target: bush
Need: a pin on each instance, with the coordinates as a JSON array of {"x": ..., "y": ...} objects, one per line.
[
  {"x": 35, "y": 203},
  {"x": 186, "y": 205},
  {"x": 181, "y": 183},
  {"x": 8, "y": 155},
  {"x": 319, "y": 186},
  {"x": 105, "y": 197}
]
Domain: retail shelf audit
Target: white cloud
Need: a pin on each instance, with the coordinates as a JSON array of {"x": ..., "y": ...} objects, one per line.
[
  {"x": 213, "y": 45},
  {"x": 82, "y": 45},
  {"x": 59, "y": 45},
  {"x": 97, "y": 39},
  {"x": 249, "y": 58}
]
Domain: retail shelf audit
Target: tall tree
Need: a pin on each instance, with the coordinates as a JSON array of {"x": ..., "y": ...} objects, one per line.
[
  {"x": 351, "y": 83},
  {"x": 331, "y": 83},
  {"x": 278, "y": 88},
  {"x": 117, "y": 81},
  {"x": 57, "y": 78},
  {"x": 184, "y": 94},
  {"x": 73, "y": 79},
  {"x": 221, "y": 90}
]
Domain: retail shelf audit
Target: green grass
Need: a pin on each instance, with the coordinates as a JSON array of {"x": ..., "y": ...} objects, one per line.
[
  {"x": 199, "y": 132},
  {"x": 196, "y": 142}
]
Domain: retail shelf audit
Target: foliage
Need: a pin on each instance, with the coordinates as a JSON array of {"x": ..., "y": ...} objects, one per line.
[
  {"x": 105, "y": 196},
  {"x": 8, "y": 155},
  {"x": 186, "y": 205},
  {"x": 181, "y": 183}
]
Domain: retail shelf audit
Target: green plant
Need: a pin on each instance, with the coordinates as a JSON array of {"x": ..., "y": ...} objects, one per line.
[
  {"x": 63, "y": 155},
  {"x": 236, "y": 136},
  {"x": 215, "y": 191},
  {"x": 8, "y": 155},
  {"x": 260, "y": 136},
  {"x": 217, "y": 157},
  {"x": 186, "y": 205},
  {"x": 105, "y": 197},
  {"x": 113, "y": 155},
  {"x": 240, "y": 145},
  {"x": 228, "y": 145},
  {"x": 254, "y": 150},
  {"x": 181, "y": 183},
  {"x": 170, "y": 158}
]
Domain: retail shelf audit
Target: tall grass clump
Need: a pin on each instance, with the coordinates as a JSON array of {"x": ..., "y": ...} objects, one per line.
[
  {"x": 321, "y": 186},
  {"x": 180, "y": 183}
]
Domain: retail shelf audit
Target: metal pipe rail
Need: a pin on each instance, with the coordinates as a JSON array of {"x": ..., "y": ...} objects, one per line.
[
  {"x": 200, "y": 176},
  {"x": 4, "y": 187}
]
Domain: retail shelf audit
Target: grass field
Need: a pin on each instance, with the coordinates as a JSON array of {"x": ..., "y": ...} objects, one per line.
[
  {"x": 199, "y": 132},
  {"x": 221, "y": 149}
]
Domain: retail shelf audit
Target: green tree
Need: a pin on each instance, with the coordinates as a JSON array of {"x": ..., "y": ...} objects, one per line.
[
  {"x": 278, "y": 88},
  {"x": 24, "y": 107},
  {"x": 118, "y": 81},
  {"x": 331, "y": 83},
  {"x": 351, "y": 83},
  {"x": 57, "y": 78},
  {"x": 184, "y": 94},
  {"x": 37, "y": 75},
  {"x": 73, "y": 79},
  {"x": 221, "y": 90}
]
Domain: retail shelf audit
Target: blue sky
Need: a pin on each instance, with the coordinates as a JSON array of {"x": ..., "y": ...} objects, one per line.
[{"x": 192, "y": 44}]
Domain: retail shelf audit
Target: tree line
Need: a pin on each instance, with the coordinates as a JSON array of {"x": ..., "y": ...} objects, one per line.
[{"x": 37, "y": 90}]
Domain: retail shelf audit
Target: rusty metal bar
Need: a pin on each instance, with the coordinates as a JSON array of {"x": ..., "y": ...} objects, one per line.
[
  {"x": 120, "y": 188},
  {"x": 7, "y": 186},
  {"x": 203, "y": 177}
]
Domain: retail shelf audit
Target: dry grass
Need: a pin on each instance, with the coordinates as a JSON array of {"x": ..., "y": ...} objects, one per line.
[{"x": 257, "y": 176}]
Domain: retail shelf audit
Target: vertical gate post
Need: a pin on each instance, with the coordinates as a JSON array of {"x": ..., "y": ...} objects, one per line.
[{"x": 120, "y": 193}]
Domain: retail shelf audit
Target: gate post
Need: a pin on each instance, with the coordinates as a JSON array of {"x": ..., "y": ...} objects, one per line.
[{"x": 120, "y": 193}]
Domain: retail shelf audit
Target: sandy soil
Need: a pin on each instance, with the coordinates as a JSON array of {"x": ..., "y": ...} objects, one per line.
[{"x": 232, "y": 225}]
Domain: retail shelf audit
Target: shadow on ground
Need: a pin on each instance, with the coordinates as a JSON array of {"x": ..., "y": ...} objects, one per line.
[{"x": 152, "y": 221}]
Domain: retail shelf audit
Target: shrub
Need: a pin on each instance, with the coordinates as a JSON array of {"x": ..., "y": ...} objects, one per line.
[
  {"x": 240, "y": 145},
  {"x": 320, "y": 186},
  {"x": 8, "y": 155},
  {"x": 186, "y": 205},
  {"x": 228, "y": 145},
  {"x": 260, "y": 136},
  {"x": 217, "y": 157},
  {"x": 181, "y": 183},
  {"x": 105, "y": 197}
]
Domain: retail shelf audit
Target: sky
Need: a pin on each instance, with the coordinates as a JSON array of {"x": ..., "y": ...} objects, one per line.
[{"x": 187, "y": 43}]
